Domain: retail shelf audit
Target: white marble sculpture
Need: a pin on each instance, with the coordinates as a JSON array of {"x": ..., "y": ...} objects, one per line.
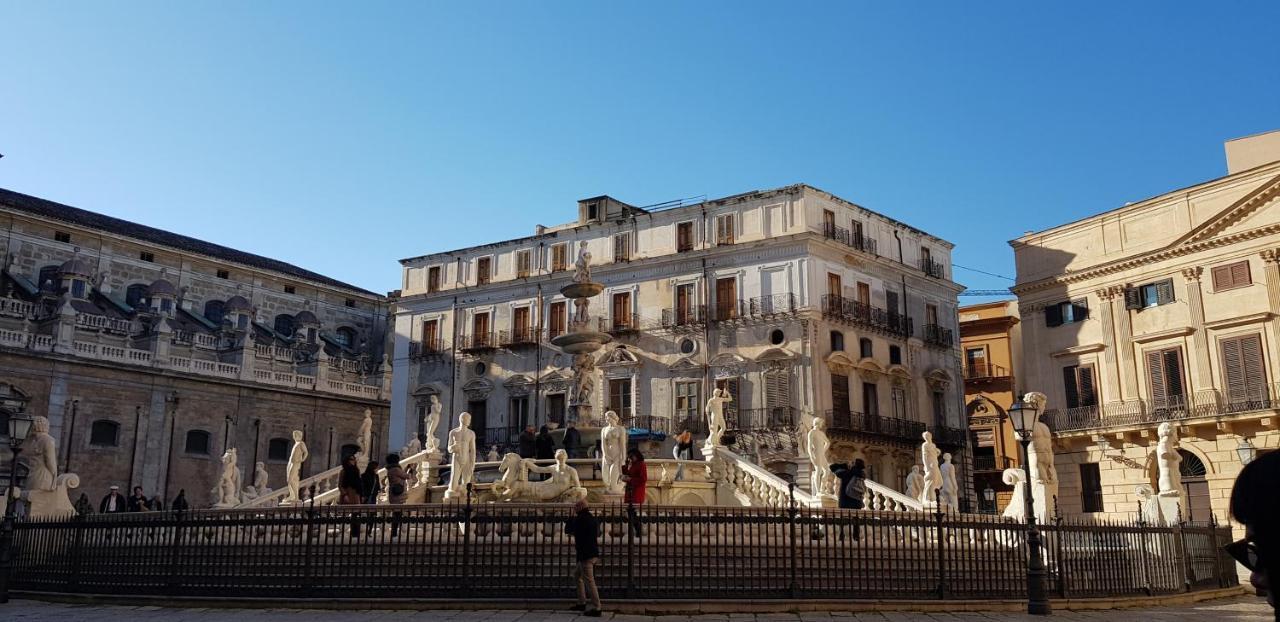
[
  {"x": 949, "y": 494},
  {"x": 1040, "y": 463},
  {"x": 227, "y": 492},
  {"x": 582, "y": 266},
  {"x": 1171, "y": 496},
  {"x": 259, "y": 485},
  {"x": 816, "y": 445},
  {"x": 932, "y": 475},
  {"x": 715, "y": 417},
  {"x": 410, "y": 448},
  {"x": 462, "y": 457},
  {"x": 365, "y": 440},
  {"x": 613, "y": 443},
  {"x": 493, "y": 454},
  {"x": 432, "y": 422},
  {"x": 48, "y": 494},
  {"x": 293, "y": 472},
  {"x": 915, "y": 482},
  {"x": 562, "y": 485}
]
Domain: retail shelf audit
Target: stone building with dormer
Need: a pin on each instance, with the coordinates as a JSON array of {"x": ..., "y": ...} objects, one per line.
[
  {"x": 799, "y": 303},
  {"x": 152, "y": 352},
  {"x": 1164, "y": 310}
]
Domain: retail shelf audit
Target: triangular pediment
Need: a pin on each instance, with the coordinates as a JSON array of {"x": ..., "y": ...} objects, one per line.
[
  {"x": 685, "y": 365},
  {"x": 1255, "y": 209},
  {"x": 619, "y": 356},
  {"x": 727, "y": 359},
  {"x": 518, "y": 379},
  {"x": 775, "y": 354}
]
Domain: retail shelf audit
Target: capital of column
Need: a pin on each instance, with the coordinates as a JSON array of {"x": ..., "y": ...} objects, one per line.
[
  {"x": 1109, "y": 293},
  {"x": 1271, "y": 255},
  {"x": 1192, "y": 274}
]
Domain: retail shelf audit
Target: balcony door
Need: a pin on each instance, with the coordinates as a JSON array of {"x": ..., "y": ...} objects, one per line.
[
  {"x": 430, "y": 335},
  {"x": 480, "y": 329},
  {"x": 556, "y": 316},
  {"x": 684, "y": 304},
  {"x": 479, "y": 410},
  {"x": 726, "y": 298},
  {"x": 555, "y": 408},
  {"x": 1168, "y": 388},
  {"x": 520, "y": 324},
  {"x": 622, "y": 310},
  {"x": 839, "y": 394}
]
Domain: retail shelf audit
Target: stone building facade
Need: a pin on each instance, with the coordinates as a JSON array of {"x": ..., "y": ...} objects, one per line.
[
  {"x": 797, "y": 302},
  {"x": 151, "y": 352},
  {"x": 1162, "y": 310},
  {"x": 991, "y": 350}
]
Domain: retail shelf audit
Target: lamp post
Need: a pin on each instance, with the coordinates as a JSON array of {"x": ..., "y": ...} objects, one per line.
[
  {"x": 1246, "y": 451},
  {"x": 989, "y": 495},
  {"x": 19, "y": 428},
  {"x": 1024, "y": 416}
]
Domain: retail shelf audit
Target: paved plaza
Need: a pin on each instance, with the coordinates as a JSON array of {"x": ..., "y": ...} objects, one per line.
[{"x": 1241, "y": 609}]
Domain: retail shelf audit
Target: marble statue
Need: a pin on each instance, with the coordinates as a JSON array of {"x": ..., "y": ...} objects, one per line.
[
  {"x": 493, "y": 454},
  {"x": 915, "y": 482},
  {"x": 715, "y": 416},
  {"x": 562, "y": 485},
  {"x": 410, "y": 448},
  {"x": 949, "y": 495},
  {"x": 432, "y": 422},
  {"x": 1168, "y": 461},
  {"x": 816, "y": 445},
  {"x": 582, "y": 267},
  {"x": 1040, "y": 465},
  {"x": 259, "y": 485},
  {"x": 365, "y": 440},
  {"x": 932, "y": 476},
  {"x": 583, "y": 384},
  {"x": 48, "y": 494},
  {"x": 227, "y": 492},
  {"x": 293, "y": 472},
  {"x": 462, "y": 457},
  {"x": 613, "y": 443}
]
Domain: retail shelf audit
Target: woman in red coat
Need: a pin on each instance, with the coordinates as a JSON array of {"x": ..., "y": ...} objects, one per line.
[{"x": 636, "y": 474}]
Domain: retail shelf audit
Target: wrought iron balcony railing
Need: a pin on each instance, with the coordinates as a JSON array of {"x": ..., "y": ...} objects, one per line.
[
  {"x": 477, "y": 342},
  {"x": 519, "y": 337},
  {"x": 950, "y": 437},
  {"x": 684, "y": 317},
  {"x": 1217, "y": 403},
  {"x": 938, "y": 336},
  {"x": 769, "y": 418},
  {"x": 988, "y": 464},
  {"x": 904, "y": 430},
  {"x": 866, "y": 316},
  {"x": 932, "y": 268},
  {"x": 852, "y": 239},
  {"x": 777, "y": 304},
  {"x": 981, "y": 371},
  {"x": 422, "y": 349},
  {"x": 728, "y": 310}
]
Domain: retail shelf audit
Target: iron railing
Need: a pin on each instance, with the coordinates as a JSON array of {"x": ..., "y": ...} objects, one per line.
[
  {"x": 477, "y": 342},
  {"x": 769, "y": 418},
  {"x": 953, "y": 437},
  {"x": 726, "y": 310},
  {"x": 938, "y": 336},
  {"x": 425, "y": 349},
  {"x": 1216, "y": 403},
  {"x": 849, "y": 238},
  {"x": 518, "y": 337},
  {"x": 986, "y": 464},
  {"x": 864, "y": 315},
  {"x": 684, "y": 317},
  {"x": 482, "y": 552},
  {"x": 507, "y": 437},
  {"x": 766, "y": 306},
  {"x": 979, "y": 371},
  {"x": 904, "y": 430},
  {"x": 932, "y": 268},
  {"x": 652, "y": 423}
]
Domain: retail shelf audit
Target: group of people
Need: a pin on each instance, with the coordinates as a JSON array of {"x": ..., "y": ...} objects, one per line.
[
  {"x": 115, "y": 503},
  {"x": 356, "y": 488}
]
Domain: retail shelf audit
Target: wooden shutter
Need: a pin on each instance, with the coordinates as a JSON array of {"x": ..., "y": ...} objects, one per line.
[
  {"x": 1080, "y": 310},
  {"x": 1053, "y": 315},
  {"x": 683, "y": 303},
  {"x": 1132, "y": 298},
  {"x": 622, "y": 310},
  {"x": 891, "y": 302},
  {"x": 726, "y": 298},
  {"x": 1069, "y": 386},
  {"x": 684, "y": 236},
  {"x": 520, "y": 323},
  {"x": 1242, "y": 365},
  {"x": 839, "y": 394},
  {"x": 864, "y": 293},
  {"x": 483, "y": 271},
  {"x": 430, "y": 330},
  {"x": 1231, "y": 275},
  {"x": 1240, "y": 274},
  {"x": 558, "y": 258},
  {"x": 1155, "y": 370},
  {"x": 724, "y": 229},
  {"x": 1173, "y": 372},
  {"x": 1221, "y": 277},
  {"x": 777, "y": 389},
  {"x": 433, "y": 279},
  {"x": 1164, "y": 292},
  {"x": 1088, "y": 395},
  {"x": 557, "y": 320}
]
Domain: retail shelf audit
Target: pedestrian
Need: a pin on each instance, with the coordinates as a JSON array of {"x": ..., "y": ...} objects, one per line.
[
  {"x": 683, "y": 450},
  {"x": 853, "y": 488},
  {"x": 113, "y": 503},
  {"x": 137, "y": 501},
  {"x": 585, "y": 530},
  {"x": 636, "y": 475},
  {"x": 528, "y": 443},
  {"x": 349, "y": 490},
  {"x": 397, "y": 490},
  {"x": 370, "y": 483},
  {"x": 1254, "y": 505},
  {"x": 573, "y": 440},
  {"x": 84, "y": 507},
  {"x": 544, "y": 445},
  {"x": 180, "y": 502}
]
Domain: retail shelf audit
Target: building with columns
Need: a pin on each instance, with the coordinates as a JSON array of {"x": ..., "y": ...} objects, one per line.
[
  {"x": 991, "y": 346},
  {"x": 1161, "y": 310},
  {"x": 152, "y": 352},
  {"x": 798, "y": 303}
]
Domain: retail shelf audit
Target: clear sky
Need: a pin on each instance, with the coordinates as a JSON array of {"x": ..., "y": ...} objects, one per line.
[{"x": 345, "y": 136}]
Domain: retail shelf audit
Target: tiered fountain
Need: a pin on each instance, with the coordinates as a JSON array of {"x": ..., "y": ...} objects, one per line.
[{"x": 582, "y": 339}]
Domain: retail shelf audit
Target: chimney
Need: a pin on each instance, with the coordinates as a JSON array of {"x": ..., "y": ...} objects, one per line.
[{"x": 1252, "y": 151}]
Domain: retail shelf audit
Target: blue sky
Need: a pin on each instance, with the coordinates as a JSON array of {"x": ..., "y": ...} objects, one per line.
[{"x": 345, "y": 136}]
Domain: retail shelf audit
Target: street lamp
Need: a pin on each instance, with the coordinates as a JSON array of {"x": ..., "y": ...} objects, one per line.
[
  {"x": 1024, "y": 416},
  {"x": 989, "y": 495},
  {"x": 19, "y": 428},
  {"x": 1246, "y": 451}
]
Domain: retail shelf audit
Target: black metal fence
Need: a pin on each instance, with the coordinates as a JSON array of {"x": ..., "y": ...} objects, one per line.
[{"x": 462, "y": 551}]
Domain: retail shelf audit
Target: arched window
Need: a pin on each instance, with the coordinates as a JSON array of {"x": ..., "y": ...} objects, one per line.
[
  {"x": 135, "y": 295},
  {"x": 346, "y": 336},
  {"x": 197, "y": 442},
  {"x": 284, "y": 325},
  {"x": 837, "y": 341},
  {"x": 214, "y": 310},
  {"x": 48, "y": 278},
  {"x": 864, "y": 348},
  {"x": 1191, "y": 465},
  {"x": 278, "y": 449},
  {"x": 104, "y": 433}
]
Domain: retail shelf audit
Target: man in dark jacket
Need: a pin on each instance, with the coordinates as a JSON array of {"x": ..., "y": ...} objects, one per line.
[
  {"x": 528, "y": 443},
  {"x": 544, "y": 445},
  {"x": 573, "y": 441},
  {"x": 114, "y": 502},
  {"x": 138, "y": 502},
  {"x": 853, "y": 488},
  {"x": 585, "y": 530}
]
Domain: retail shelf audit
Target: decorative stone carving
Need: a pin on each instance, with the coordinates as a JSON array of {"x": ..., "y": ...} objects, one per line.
[
  {"x": 477, "y": 389},
  {"x": 1040, "y": 462},
  {"x": 259, "y": 485},
  {"x": 613, "y": 445},
  {"x": 227, "y": 492},
  {"x": 432, "y": 422},
  {"x": 582, "y": 266},
  {"x": 410, "y": 448},
  {"x": 48, "y": 494},
  {"x": 932, "y": 476},
  {"x": 563, "y": 484},
  {"x": 715, "y": 416},
  {"x": 949, "y": 495},
  {"x": 1192, "y": 274},
  {"x": 293, "y": 472},
  {"x": 462, "y": 457},
  {"x": 915, "y": 483},
  {"x": 821, "y": 479}
]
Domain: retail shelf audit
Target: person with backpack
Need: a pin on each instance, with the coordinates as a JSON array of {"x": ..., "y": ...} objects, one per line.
[
  {"x": 397, "y": 490},
  {"x": 853, "y": 487}
]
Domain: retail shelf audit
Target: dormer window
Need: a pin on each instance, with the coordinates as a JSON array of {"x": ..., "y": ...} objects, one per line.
[
  {"x": 593, "y": 211},
  {"x": 78, "y": 288}
]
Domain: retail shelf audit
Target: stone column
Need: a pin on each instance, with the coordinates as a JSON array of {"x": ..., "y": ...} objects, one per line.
[
  {"x": 1032, "y": 325},
  {"x": 1110, "y": 379},
  {"x": 1201, "y": 380},
  {"x": 1128, "y": 370},
  {"x": 1271, "y": 260}
]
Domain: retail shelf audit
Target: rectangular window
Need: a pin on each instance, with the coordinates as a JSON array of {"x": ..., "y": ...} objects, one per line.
[
  {"x": 524, "y": 263},
  {"x": 556, "y": 319},
  {"x": 1243, "y": 371},
  {"x": 484, "y": 270},
  {"x": 835, "y": 288},
  {"x": 870, "y": 399},
  {"x": 724, "y": 229},
  {"x": 684, "y": 237},
  {"x": 1231, "y": 276},
  {"x": 620, "y": 397},
  {"x": 559, "y": 257},
  {"x": 864, "y": 294},
  {"x": 519, "y": 413},
  {"x": 1079, "y": 387},
  {"x": 350, "y": 303},
  {"x": 895, "y": 355},
  {"x": 899, "y": 398},
  {"x": 939, "y": 408},
  {"x": 622, "y": 247},
  {"x": 480, "y": 330},
  {"x": 975, "y": 363},
  {"x": 1149, "y": 295},
  {"x": 147, "y": 256},
  {"x": 828, "y": 220},
  {"x": 622, "y": 310},
  {"x": 839, "y": 394},
  {"x": 431, "y": 335},
  {"x": 433, "y": 279},
  {"x": 289, "y": 289},
  {"x": 1164, "y": 367},
  {"x": 726, "y": 298},
  {"x": 855, "y": 233},
  {"x": 684, "y": 305},
  {"x": 520, "y": 332},
  {"x": 891, "y": 303},
  {"x": 931, "y": 314},
  {"x": 1068, "y": 312},
  {"x": 61, "y": 236},
  {"x": 1091, "y": 487},
  {"x": 223, "y": 274},
  {"x": 688, "y": 405}
]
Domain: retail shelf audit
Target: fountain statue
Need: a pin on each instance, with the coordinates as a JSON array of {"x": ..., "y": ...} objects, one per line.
[
  {"x": 563, "y": 485},
  {"x": 613, "y": 451},
  {"x": 1044, "y": 475},
  {"x": 48, "y": 494},
  {"x": 365, "y": 440},
  {"x": 821, "y": 479},
  {"x": 432, "y": 422},
  {"x": 715, "y": 417},
  {"x": 582, "y": 340},
  {"x": 915, "y": 482},
  {"x": 293, "y": 472},
  {"x": 227, "y": 492},
  {"x": 949, "y": 494},
  {"x": 932, "y": 475},
  {"x": 462, "y": 457}
]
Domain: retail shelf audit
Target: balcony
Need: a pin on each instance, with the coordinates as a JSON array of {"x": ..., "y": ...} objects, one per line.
[
  {"x": 518, "y": 338},
  {"x": 1234, "y": 402},
  {"x": 900, "y": 430},
  {"x": 506, "y": 438},
  {"x": 984, "y": 371},
  {"x": 771, "y": 418},
  {"x": 477, "y": 342},
  {"x": 728, "y": 310},
  {"x": 932, "y": 268},
  {"x": 990, "y": 464},
  {"x": 944, "y": 436},
  {"x": 866, "y": 316},
  {"x": 619, "y": 326},
  {"x": 938, "y": 337},
  {"x": 684, "y": 318},
  {"x": 852, "y": 239},
  {"x": 770, "y": 306},
  {"x": 428, "y": 349}
]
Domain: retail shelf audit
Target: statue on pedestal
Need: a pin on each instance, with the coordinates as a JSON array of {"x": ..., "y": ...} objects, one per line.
[
  {"x": 432, "y": 422},
  {"x": 932, "y": 476},
  {"x": 462, "y": 457},
  {"x": 410, "y": 448},
  {"x": 915, "y": 483},
  {"x": 613, "y": 451},
  {"x": 227, "y": 492},
  {"x": 1168, "y": 461},
  {"x": 563, "y": 485},
  {"x": 816, "y": 445},
  {"x": 582, "y": 266},
  {"x": 949, "y": 494},
  {"x": 259, "y": 485},
  {"x": 715, "y": 417},
  {"x": 293, "y": 472},
  {"x": 48, "y": 494},
  {"x": 1044, "y": 475},
  {"x": 365, "y": 440}
]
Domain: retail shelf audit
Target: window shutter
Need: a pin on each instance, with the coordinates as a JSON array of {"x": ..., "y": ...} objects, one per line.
[
  {"x": 1069, "y": 386},
  {"x": 1164, "y": 292},
  {"x": 1240, "y": 274},
  {"x": 1080, "y": 310},
  {"x": 1251, "y": 358},
  {"x": 1053, "y": 315},
  {"x": 1221, "y": 277},
  {"x": 1173, "y": 372},
  {"x": 1087, "y": 393},
  {"x": 1155, "y": 369},
  {"x": 1132, "y": 298},
  {"x": 1233, "y": 369}
]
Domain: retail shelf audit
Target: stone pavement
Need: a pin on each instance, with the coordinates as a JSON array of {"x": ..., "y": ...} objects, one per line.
[{"x": 1240, "y": 609}]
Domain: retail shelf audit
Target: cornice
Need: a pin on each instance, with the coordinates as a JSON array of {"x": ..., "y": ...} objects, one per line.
[
  {"x": 1255, "y": 318},
  {"x": 1181, "y": 331},
  {"x": 1077, "y": 350}
]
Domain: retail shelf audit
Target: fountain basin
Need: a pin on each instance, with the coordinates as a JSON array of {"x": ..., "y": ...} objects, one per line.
[
  {"x": 581, "y": 342},
  {"x": 581, "y": 290}
]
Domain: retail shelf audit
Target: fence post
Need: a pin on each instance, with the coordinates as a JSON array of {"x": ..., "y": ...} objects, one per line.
[
  {"x": 1180, "y": 537},
  {"x": 1059, "y": 565},
  {"x": 465, "y": 585},
  {"x": 77, "y": 546},
  {"x": 311, "y": 532},
  {"x": 942, "y": 542},
  {"x": 174, "y": 584},
  {"x": 633, "y": 523},
  {"x": 793, "y": 586},
  {"x": 1144, "y": 552}
]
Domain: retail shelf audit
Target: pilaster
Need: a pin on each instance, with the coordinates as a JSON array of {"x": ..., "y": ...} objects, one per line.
[
  {"x": 1271, "y": 267},
  {"x": 1202, "y": 379},
  {"x": 1128, "y": 370},
  {"x": 1032, "y": 327},
  {"x": 1110, "y": 378}
]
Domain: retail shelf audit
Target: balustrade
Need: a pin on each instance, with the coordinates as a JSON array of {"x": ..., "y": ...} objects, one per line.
[
  {"x": 888, "y": 427},
  {"x": 1235, "y": 401},
  {"x": 862, "y": 314},
  {"x": 852, "y": 239},
  {"x": 12, "y": 307}
]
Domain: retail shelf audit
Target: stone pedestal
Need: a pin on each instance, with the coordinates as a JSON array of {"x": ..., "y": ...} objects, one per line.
[{"x": 429, "y": 469}]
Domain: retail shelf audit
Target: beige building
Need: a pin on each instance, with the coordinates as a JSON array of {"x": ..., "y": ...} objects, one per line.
[
  {"x": 799, "y": 303},
  {"x": 1161, "y": 310},
  {"x": 991, "y": 348},
  {"x": 152, "y": 352}
]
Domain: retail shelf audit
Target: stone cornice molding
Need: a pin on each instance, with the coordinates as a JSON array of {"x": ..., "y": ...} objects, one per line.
[
  {"x": 1181, "y": 331},
  {"x": 1255, "y": 318},
  {"x": 1106, "y": 294},
  {"x": 1081, "y": 349},
  {"x": 1248, "y": 204}
]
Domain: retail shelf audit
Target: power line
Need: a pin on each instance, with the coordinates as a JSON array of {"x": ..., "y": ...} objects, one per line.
[{"x": 1000, "y": 276}]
